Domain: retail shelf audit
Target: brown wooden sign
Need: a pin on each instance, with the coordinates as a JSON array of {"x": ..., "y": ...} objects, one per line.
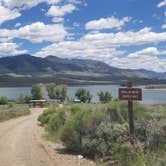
[{"x": 130, "y": 94}]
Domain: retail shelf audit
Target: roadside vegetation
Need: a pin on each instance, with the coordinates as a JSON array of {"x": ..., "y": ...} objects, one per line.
[
  {"x": 13, "y": 110},
  {"x": 101, "y": 132}
]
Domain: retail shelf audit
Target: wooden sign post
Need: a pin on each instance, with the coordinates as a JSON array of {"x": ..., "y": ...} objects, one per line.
[{"x": 130, "y": 94}]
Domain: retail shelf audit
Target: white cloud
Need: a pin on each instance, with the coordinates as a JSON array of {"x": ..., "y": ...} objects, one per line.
[
  {"x": 104, "y": 47},
  {"x": 150, "y": 51},
  {"x": 25, "y": 4},
  {"x": 37, "y": 32},
  {"x": 143, "y": 36},
  {"x": 17, "y": 25},
  {"x": 8, "y": 49},
  {"x": 58, "y": 19},
  {"x": 103, "y": 44},
  {"x": 107, "y": 23},
  {"x": 138, "y": 60},
  {"x": 80, "y": 49},
  {"x": 148, "y": 63},
  {"x": 161, "y": 4},
  {"x": 163, "y": 26},
  {"x": 7, "y": 14},
  {"x": 58, "y": 12},
  {"x": 21, "y": 4},
  {"x": 5, "y": 39},
  {"x": 9, "y": 9}
]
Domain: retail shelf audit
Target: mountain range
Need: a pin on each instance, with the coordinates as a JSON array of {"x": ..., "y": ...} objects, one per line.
[{"x": 24, "y": 70}]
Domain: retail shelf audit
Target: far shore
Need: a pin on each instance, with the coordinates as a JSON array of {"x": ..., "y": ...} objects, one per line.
[{"x": 155, "y": 87}]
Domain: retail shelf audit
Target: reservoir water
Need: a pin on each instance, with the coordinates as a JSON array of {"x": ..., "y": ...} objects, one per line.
[{"x": 150, "y": 96}]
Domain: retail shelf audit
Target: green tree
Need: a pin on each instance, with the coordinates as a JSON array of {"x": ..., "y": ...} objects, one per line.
[
  {"x": 36, "y": 92},
  {"x": 104, "y": 97},
  {"x": 63, "y": 92},
  {"x": 51, "y": 90},
  {"x": 83, "y": 95},
  {"x": 22, "y": 99},
  {"x": 56, "y": 91},
  {"x": 3, "y": 100}
]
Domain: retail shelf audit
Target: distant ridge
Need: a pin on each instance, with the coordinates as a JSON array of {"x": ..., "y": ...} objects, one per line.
[{"x": 25, "y": 69}]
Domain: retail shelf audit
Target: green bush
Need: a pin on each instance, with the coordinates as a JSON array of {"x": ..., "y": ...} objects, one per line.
[
  {"x": 22, "y": 99},
  {"x": 101, "y": 131},
  {"x": 3, "y": 100},
  {"x": 13, "y": 110},
  {"x": 56, "y": 91},
  {"x": 83, "y": 95},
  {"x": 47, "y": 115},
  {"x": 36, "y": 92},
  {"x": 104, "y": 97},
  {"x": 82, "y": 124}
]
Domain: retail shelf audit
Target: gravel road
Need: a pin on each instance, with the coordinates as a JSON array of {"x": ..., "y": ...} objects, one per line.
[{"x": 21, "y": 144}]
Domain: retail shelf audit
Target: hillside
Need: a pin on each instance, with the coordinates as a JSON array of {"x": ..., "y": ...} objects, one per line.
[{"x": 23, "y": 70}]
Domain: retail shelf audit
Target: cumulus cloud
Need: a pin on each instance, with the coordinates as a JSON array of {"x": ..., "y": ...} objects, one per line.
[
  {"x": 161, "y": 4},
  {"x": 7, "y": 14},
  {"x": 150, "y": 51},
  {"x": 8, "y": 49},
  {"x": 57, "y": 12},
  {"x": 143, "y": 36},
  {"x": 107, "y": 23},
  {"x": 24, "y": 4},
  {"x": 37, "y": 32},
  {"x": 105, "y": 47},
  {"x": 142, "y": 59},
  {"x": 81, "y": 49},
  {"x": 17, "y": 25},
  {"x": 163, "y": 26},
  {"x": 101, "y": 46},
  {"x": 9, "y": 9},
  {"x": 5, "y": 39}
]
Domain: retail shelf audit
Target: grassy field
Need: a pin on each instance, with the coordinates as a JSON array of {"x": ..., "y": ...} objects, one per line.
[
  {"x": 12, "y": 110},
  {"x": 100, "y": 132}
]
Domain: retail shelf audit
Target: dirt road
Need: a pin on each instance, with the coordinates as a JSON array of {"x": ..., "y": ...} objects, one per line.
[{"x": 21, "y": 144}]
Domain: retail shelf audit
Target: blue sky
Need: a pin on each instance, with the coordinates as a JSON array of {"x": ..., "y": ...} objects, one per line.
[{"x": 126, "y": 34}]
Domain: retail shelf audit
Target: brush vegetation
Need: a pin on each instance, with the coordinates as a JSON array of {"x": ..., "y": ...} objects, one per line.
[
  {"x": 12, "y": 110},
  {"x": 100, "y": 132}
]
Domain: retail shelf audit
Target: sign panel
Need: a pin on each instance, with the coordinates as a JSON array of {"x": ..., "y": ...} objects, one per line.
[{"x": 130, "y": 94}]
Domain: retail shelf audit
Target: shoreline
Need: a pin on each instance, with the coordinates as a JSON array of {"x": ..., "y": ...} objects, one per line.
[
  {"x": 155, "y": 88},
  {"x": 164, "y": 89}
]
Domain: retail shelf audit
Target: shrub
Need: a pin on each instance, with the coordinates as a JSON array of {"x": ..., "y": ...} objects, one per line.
[
  {"x": 104, "y": 97},
  {"x": 3, "y": 100},
  {"x": 36, "y": 92},
  {"x": 83, "y": 95},
  {"x": 13, "y": 110},
  {"x": 56, "y": 121},
  {"x": 101, "y": 142},
  {"x": 82, "y": 124},
  {"x": 57, "y": 91},
  {"x": 47, "y": 115},
  {"x": 23, "y": 99},
  {"x": 101, "y": 132}
]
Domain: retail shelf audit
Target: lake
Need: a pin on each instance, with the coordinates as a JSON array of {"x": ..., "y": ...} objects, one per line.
[{"x": 150, "y": 96}]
